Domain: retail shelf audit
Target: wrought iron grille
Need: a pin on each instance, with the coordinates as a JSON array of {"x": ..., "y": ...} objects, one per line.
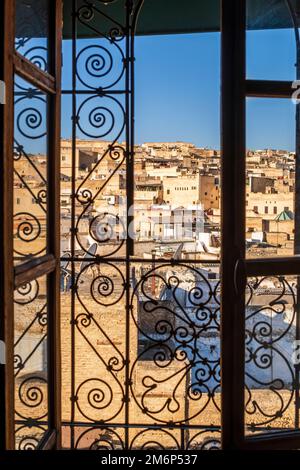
[
  {"x": 144, "y": 338},
  {"x": 30, "y": 241},
  {"x": 271, "y": 384},
  {"x": 30, "y": 364}
]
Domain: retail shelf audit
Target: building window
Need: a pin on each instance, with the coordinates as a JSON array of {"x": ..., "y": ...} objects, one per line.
[
  {"x": 266, "y": 210},
  {"x": 275, "y": 210}
]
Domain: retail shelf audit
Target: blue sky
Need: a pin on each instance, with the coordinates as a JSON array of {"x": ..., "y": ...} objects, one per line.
[{"x": 178, "y": 89}]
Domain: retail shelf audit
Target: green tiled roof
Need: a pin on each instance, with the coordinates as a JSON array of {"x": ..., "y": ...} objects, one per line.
[{"x": 285, "y": 215}]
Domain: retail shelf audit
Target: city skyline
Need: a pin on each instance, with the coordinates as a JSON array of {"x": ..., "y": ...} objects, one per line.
[{"x": 177, "y": 96}]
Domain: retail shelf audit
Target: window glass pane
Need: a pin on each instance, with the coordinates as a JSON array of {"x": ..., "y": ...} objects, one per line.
[
  {"x": 30, "y": 363},
  {"x": 271, "y": 322},
  {"x": 32, "y": 31},
  {"x": 30, "y": 171},
  {"x": 176, "y": 360},
  {"x": 270, "y": 178},
  {"x": 271, "y": 45},
  {"x": 271, "y": 384},
  {"x": 177, "y": 159}
]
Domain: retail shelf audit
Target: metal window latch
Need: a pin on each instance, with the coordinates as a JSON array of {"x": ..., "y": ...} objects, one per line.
[
  {"x": 240, "y": 277},
  {"x": 2, "y": 92}
]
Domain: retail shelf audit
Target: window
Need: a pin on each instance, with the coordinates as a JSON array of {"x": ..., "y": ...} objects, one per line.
[
  {"x": 270, "y": 139},
  {"x": 32, "y": 139},
  {"x": 141, "y": 316}
]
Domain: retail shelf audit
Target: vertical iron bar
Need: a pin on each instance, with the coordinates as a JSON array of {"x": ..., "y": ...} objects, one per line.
[
  {"x": 183, "y": 445},
  {"x": 53, "y": 222},
  {"x": 132, "y": 12},
  {"x": 129, "y": 193},
  {"x": 73, "y": 215},
  {"x": 134, "y": 18}
]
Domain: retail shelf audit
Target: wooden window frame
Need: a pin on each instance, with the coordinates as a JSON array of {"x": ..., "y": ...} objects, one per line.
[
  {"x": 10, "y": 277},
  {"x": 235, "y": 268}
]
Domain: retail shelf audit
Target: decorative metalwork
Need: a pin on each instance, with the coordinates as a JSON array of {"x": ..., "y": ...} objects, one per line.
[
  {"x": 269, "y": 369},
  {"x": 32, "y": 31},
  {"x": 99, "y": 68},
  {"x": 145, "y": 353},
  {"x": 30, "y": 306},
  {"x": 205, "y": 440},
  {"x": 95, "y": 64},
  {"x": 171, "y": 358},
  {"x": 181, "y": 328},
  {"x": 30, "y": 178},
  {"x": 30, "y": 364},
  {"x": 100, "y": 438}
]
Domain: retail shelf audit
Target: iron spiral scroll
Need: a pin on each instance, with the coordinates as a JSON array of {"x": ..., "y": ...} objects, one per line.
[
  {"x": 30, "y": 305},
  {"x": 172, "y": 382},
  {"x": 269, "y": 370},
  {"x": 31, "y": 396},
  {"x": 30, "y": 132}
]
